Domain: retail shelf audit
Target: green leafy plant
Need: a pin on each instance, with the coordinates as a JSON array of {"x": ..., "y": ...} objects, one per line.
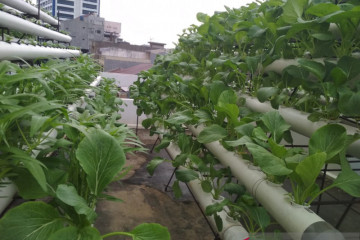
[{"x": 66, "y": 157}]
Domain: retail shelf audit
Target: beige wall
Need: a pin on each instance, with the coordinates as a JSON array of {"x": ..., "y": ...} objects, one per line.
[
  {"x": 112, "y": 27},
  {"x": 124, "y": 53}
]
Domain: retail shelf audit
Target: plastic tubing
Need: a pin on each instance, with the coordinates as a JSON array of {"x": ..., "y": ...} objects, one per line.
[
  {"x": 299, "y": 121},
  {"x": 14, "y": 51},
  {"x": 30, "y": 9},
  {"x": 300, "y": 222},
  {"x": 15, "y": 23},
  {"x": 231, "y": 231}
]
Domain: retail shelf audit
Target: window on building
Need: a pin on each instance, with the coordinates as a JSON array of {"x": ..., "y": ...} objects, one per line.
[
  {"x": 65, "y": 2},
  {"x": 93, "y": 1},
  {"x": 87, "y": 12},
  {"x": 85, "y": 5},
  {"x": 67, "y": 16},
  {"x": 98, "y": 31},
  {"x": 65, "y": 9}
]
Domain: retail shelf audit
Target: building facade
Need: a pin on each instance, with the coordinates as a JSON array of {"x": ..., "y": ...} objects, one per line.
[
  {"x": 84, "y": 30},
  {"x": 70, "y": 9}
]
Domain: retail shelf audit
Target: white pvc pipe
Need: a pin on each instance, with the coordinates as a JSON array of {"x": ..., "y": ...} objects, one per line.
[
  {"x": 231, "y": 231},
  {"x": 295, "y": 220},
  {"x": 299, "y": 121},
  {"x": 15, "y": 23},
  {"x": 30, "y": 9},
  {"x": 14, "y": 51},
  {"x": 7, "y": 192}
]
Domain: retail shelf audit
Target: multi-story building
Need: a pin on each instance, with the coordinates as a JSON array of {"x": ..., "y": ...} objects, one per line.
[
  {"x": 70, "y": 9},
  {"x": 84, "y": 30}
]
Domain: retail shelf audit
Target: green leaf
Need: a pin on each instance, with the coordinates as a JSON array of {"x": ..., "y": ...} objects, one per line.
[
  {"x": 259, "y": 133},
  {"x": 275, "y": 124},
  {"x": 73, "y": 233},
  {"x": 264, "y": 93},
  {"x": 309, "y": 168},
  {"x": 350, "y": 66},
  {"x": 176, "y": 189},
  {"x": 101, "y": 157},
  {"x": 216, "y": 207},
  {"x": 278, "y": 150},
  {"x": 150, "y": 231},
  {"x": 315, "y": 68},
  {"x": 30, "y": 221},
  {"x": 212, "y": 133},
  {"x": 231, "y": 110},
  {"x": 36, "y": 123},
  {"x": 218, "y": 222},
  {"x": 165, "y": 142},
  {"x": 227, "y": 97},
  {"x": 152, "y": 165},
  {"x": 252, "y": 63},
  {"x": 69, "y": 195},
  {"x": 206, "y": 186},
  {"x": 348, "y": 180},
  {"x": 180, "y": 117},
  {"x": 292, "y": 10},
  {"x": 330, "y": 139},
  {"x": 202, "y": 17},
  {"x": 260, "y": 216},
  {"x": 216, "y": 88},
  {"x": 186, "y": 175},
  {"x": 241, "y": 141},
  {"x": 338, "y": 75},
  {"x": 347, "y": 101},
  {"x": 245, "y": 129},
  {"x": 31, "y": 164},
  {"x": 28, "y": 187},
  {"x": 323, "y": 36},
  {"x": 268, "y": 162},
  {"x": 233, "y": 188},
  {"x": 203, "y": 115},
  {"x": 322, "y": 9}
]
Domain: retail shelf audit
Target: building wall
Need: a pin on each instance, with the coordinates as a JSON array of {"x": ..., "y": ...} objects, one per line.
[
  {"x": 84, "y": 30},
  {"x": 112, "y": 27},
  {"x": 70, "y": 9},
  {"x": 124, "y": 53},
  {"x": 111, "y": 64}
]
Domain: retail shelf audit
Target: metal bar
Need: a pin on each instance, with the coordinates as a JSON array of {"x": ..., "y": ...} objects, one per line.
[
  {"x": 321, "y": 187},
  {"x": 21, "y": 38},
  {"x": 345, "y": 213},
  {"x": 137, "y": 125},
  {"x": 152, "y": 149},
  {"x": 216, "y": 235},
  {"x": 38, "y": 16},
  {"x": 335, "y": 202}
]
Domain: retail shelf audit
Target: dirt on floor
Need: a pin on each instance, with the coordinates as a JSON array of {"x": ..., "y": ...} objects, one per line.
[{"x": 145, "y": 201}]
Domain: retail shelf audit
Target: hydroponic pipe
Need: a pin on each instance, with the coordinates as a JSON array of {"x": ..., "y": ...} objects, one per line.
[
  {"x": 231, "y": 231},
  {"x": 15, "y": 23},
  {"x": 14, "y": 51},
  {"x": 299, "y": 121},
  {"x": 7, "y": 192},
  {"x": 30, "y": 9},
  {"x": 301, "y": 223}
]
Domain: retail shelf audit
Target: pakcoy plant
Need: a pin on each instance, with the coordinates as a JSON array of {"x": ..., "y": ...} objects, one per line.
[{"x": 58, "y": 156}]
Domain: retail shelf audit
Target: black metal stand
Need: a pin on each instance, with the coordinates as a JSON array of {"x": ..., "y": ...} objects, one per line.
[
  {"x": 216, "y": 235},
  {"x": 152, "y": 149}
]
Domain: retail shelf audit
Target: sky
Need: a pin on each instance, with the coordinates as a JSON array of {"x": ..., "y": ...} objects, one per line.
[{"x": 159, "y": 20}]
